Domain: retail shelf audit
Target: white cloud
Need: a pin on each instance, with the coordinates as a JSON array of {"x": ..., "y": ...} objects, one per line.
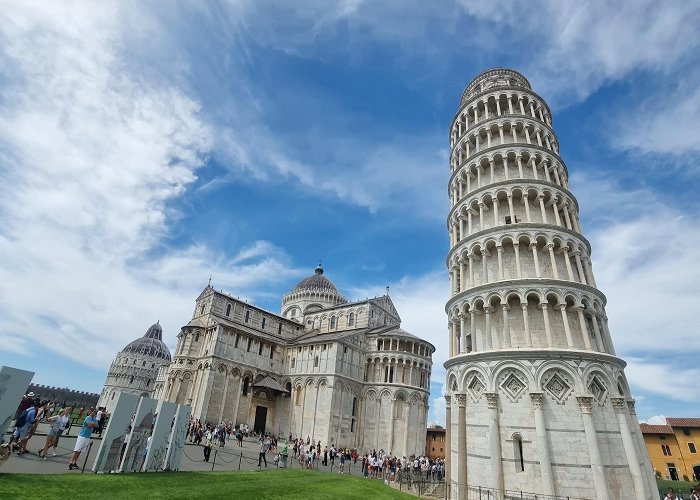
[
  {"x": 575, "y": 48},
  {"x": 665, "y": 124},
  {"x": 93, "y": 156},
  {"x": 647, "y": 374},
  {"x": 437, "y": 411},
  {"x": 655, "y": 420},
  {"x": 646, "y": 267},
  {"x": 643, "y": 263}
]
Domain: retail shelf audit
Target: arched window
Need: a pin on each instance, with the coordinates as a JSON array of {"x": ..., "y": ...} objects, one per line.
[
  {"x": 247, "y": 316},
  {"x": 263, "y": 323},
  {"x": 399, "y": 408},
  {"x": 196, "y": 338},
  {"x": 518, "y": 453},
  {"x": 246, "y": 383},
  {"x": 351, "y": 319},
  {"x": 316, "y": 362},
  {"x": 294, "y": 362},
  {"x": 354, "y": 414},
  {"x": 288, "y": 386},
  {"x": 131, "y": 380},
  {"x": 333, "y": 322},
  {"x": 201, "y": 309},
  {"x": 228, "y": 309}
]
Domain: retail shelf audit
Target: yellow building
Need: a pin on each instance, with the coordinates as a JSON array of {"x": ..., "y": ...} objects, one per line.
[{"x": 673, "y": 448}]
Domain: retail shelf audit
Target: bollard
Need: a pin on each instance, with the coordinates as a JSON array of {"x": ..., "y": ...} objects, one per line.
[
  {"x": 86, "y": 456},
  {"x": 239, "y": 461},
  {"x": 214, "y": 462}
]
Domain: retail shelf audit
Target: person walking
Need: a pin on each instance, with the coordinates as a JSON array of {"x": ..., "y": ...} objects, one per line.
[
  {"x": 89, "y": 425},
  {"x": 25, "y": 422},
  {"x": 264, "y": 445},
  {"x": 64, "y": 427},
  {"x": 57, "y": 425},
  {"x": 208, "y": 442}
]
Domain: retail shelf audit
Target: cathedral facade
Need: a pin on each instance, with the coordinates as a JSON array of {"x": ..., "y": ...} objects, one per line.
[
  {"x": 339, "y": 372},
  {"x": 537, "y": 399}
]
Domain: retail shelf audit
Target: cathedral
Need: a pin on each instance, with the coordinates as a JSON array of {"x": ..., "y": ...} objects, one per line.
[{"x": 339, "y": 372}]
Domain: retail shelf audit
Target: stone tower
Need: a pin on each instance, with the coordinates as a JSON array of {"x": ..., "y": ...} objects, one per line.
[{"x": 537, "y": 400}]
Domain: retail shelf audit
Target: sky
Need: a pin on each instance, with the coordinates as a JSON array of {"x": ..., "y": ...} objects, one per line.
[{"x": 146, "y": 146}]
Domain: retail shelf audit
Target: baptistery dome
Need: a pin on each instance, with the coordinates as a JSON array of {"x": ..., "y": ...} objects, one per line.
[
  {"x": 135, "y": 368},
  {"x": 151, "y": 344}
]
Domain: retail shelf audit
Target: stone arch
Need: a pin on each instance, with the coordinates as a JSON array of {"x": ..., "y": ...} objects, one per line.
[
  {"x": 544, "y": 374},
  {"x": 622, "y": 386},
  {"x": 452, "y": 384},
  {"x": 475, "y": 381},
  {"x": 597, "y": 382}
]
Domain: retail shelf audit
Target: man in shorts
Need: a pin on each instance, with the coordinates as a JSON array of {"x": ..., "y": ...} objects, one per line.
[
  {"x": 83, "y": 439},
  {"x": 23, "y": 431}
]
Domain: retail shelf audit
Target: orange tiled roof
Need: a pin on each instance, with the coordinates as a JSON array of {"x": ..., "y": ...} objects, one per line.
[
  {"x": 656, "y": 429},
  {"x": 683, "y": 422}
]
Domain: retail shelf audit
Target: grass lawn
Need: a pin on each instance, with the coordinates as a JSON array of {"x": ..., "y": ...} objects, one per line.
[{"x": 282, "y": 484}]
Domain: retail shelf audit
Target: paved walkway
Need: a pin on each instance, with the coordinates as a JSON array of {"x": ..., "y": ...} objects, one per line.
[{"x": 229, "y": 458}]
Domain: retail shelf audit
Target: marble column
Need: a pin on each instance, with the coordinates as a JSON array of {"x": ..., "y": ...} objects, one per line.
[
  {"x": 537, "y": 399},
  {"x": 598, "y": 473},
  {"x": 494, "y": 434},
  {"x": 620, "y": 405},
  {"x": 224, "y": 397},
  {"x": 526, "y": 323},
  {"x": 448, "y": 444},
  {"x": 462, "y": 445}
]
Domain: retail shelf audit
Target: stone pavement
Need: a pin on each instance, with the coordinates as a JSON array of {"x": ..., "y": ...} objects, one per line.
[{"x": 222, "y": 459}]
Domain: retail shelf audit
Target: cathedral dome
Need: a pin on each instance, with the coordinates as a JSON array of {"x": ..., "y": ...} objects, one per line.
[
  {"x": 151, "y": 344},
  {"x": 316, "y": 282},
  {"x": 313, "y": 293}
]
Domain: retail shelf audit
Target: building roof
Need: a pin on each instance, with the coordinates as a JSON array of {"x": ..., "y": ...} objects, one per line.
[
  {"x": 269, "y": 383},
  {"x": 317, "y": 282},
  {"x": 655, "y": 429},
  {"x": 399, "y": 332},
  {"x": 683, "y": 422},
  {"x": 151, "y": 344}
]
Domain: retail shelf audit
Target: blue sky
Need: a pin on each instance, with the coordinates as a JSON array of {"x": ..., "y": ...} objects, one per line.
[{"x": 145, "y": 146}]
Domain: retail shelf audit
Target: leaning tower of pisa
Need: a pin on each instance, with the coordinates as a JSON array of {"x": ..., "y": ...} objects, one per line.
[{"x": 537, "y": 400}]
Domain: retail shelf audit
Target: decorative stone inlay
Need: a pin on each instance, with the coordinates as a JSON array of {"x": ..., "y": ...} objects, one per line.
[
  {"x": 598, "y": 389},
  {"x": 475, "y": 387},
  {"x": 461, "y": 399},
  {"x": 513, "y": 386},
  {"x": 558, "y": 388}
]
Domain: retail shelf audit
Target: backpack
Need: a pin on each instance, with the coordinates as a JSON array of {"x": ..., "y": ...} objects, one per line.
[{"x": 22, "y": 419}]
